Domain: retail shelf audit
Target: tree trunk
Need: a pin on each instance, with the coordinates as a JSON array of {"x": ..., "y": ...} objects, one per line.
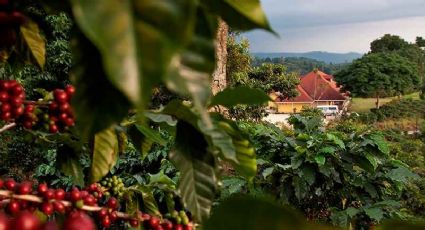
[
  {"x": 219, "y": 75},
  {"x": 377, "y": 101}
]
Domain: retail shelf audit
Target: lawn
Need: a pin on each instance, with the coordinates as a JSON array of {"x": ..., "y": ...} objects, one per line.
[{"x": 365, "y": 104}]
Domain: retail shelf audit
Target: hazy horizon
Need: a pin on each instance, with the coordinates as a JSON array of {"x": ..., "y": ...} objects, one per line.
[{"x": 337, "y": 26}]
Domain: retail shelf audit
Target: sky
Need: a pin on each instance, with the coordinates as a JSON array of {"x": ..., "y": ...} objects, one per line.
[{"x": 336, "y": 25}]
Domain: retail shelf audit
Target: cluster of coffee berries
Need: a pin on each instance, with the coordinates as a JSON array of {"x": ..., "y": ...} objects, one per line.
[
  {"x": 178, "y": 217},
  {"x": 24, "y": 204},
  {"x": 12, "y": 96},
  {"x": 60, "y": 111},
  {"x": 113, "y": 186},
  {"x": 10, "y": 19}
]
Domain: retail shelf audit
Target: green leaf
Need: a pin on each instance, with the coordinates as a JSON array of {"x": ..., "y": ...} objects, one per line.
[
  {"x": 241, "y": 95},
  {"x": 161, "y": 179},
  {"x": 100, "y": 108},
  {"x": 336, "y": 140},
  {"x": 267, "y": 172},
  {"x": 380, "y": 143},
  {"x": 352, "y": 212},
  {"x": 246, "y": 164},
  {"x": 68, "y": 162},
  {"x": 401, "y": 174},
  {"x": 365, "y": 164},
  {"x": 151, "y": 134},
  {"x": 375, "y": 213},
  {"x": 105, "y": 154},
  {"x": 222, "y": 141},
  {"x": 192, "y": 70},
  {"x": 320, "y": 160},
  {"x": 372, "y": 160},
  {"x": 249, "y": 213},
  {"x": 327, "y": 150},
  {"x": 149, "y": 201},
  {"x": 34, "y": 41},
  {"x": 198, "y": 180},
  {"x": 159, "y": 118},
  {"x": 137, "y": 39},
  {"x": 140, "y": 141},
  {"x": 240, "y": 15}
]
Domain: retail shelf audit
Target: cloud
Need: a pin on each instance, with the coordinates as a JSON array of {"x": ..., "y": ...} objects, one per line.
[
  {"x": 337, "y": 25},
  {"x": 307, "y": 13}
]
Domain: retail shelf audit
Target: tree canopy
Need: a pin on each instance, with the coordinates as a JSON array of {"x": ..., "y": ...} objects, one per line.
[{"x": 378, "y": 75}]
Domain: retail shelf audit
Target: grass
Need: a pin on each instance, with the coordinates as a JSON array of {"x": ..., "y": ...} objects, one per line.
[{"x": 365, "y": 104}]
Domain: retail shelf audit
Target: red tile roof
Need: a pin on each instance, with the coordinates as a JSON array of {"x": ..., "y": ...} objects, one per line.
[
  {"x": 317, "y": 86},
  {"x": 302, "y": 96}
]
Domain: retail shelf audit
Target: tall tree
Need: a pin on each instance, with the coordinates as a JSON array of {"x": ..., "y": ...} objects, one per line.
[
  {"x": 219, "y": 75},
  {"x": 388, "y": 43},
  {"x": 238, "y": 57},
  {"x": 378, "y": 75}
]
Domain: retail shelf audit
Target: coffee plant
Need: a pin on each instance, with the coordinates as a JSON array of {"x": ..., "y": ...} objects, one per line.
[{"x": 121, "y": 52}]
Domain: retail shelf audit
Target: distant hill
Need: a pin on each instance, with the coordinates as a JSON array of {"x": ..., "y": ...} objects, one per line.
[{"x": 335, "y": 58}]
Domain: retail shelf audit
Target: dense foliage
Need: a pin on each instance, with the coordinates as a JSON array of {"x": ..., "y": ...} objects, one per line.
[
  {"x": 378, "y": 75},
  {"x": 301, "y": 65}
]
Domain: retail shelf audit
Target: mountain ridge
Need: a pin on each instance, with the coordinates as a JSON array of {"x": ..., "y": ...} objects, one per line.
[{"x": 328, "y": 57}]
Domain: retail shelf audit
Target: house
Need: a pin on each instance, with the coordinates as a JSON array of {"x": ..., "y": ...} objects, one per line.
[{"x": 315, "y": 88}]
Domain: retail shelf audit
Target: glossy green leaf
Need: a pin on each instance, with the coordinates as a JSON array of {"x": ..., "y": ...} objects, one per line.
[
  {"x": 68, "y": 162},
  {"x": 401, "y": 174},
  {"x": 240, "y": 15},
  {"x": 35, "y": 42},
  {"x": 375, "y": 213},
  {"x": 380, "y": 143},
  {"x": 161, "y": 179},
  {"x": 97, "y": 103},
  {"x": 320, "y": 160},
  {"x": 191, "y": 72},
  {"x": 149, "y": 202},
  {"x": 246, "y": 164},
  {"x": 351, "y": 212},
  {"x": 105, "y": 154},
  {"x": 151, "y": 134},
  {"x": 197, "y": 183},
  {"x": 140, "y": 141},
  {"x": 159, "y": 118},
  {"x": 372, "y": 160},
  {"x": 241, "y": 95},
  {"x": 137, "y": 39},
  {"x": 222, "y": 141}
]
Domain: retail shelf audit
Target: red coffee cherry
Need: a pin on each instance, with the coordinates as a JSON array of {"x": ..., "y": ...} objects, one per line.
[
  {"x": 13, "y": 207},
  {"x": 42, "y": 188},
  {"x": 75, "y": 195},
  {"x": 10, "y": 184},
  {"x": 47, "y": 208},
  {"x": 4, "y": 222},
  {"x": 134, "y": 223},
  {"x": 103, "y": 212},
  {"x": 112, "y": 203},
  {"x": 59, "y": 194},
  {"x": 25, "y": 188},
  {"x": 106, "y": 222},
  {"x": 59, "y": 207},
  {"x": 154, "y": 222},
  {"x": 26, "y": 221},
  {"x": 60, "y": 96},
  {"x": 70, "y": 90},
  {"x": 79, "y": 221}
]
